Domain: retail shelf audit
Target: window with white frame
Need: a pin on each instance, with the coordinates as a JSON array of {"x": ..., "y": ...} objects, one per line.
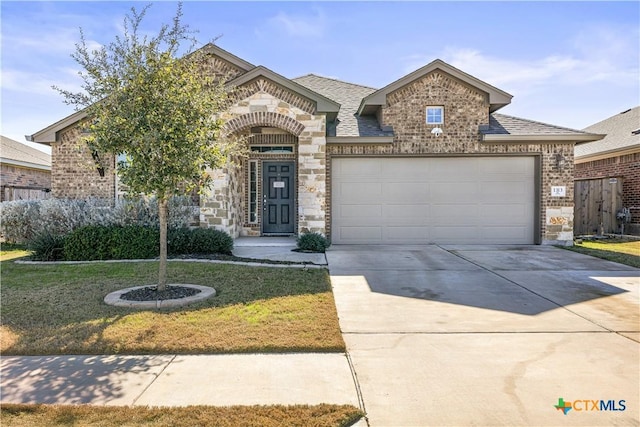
[
  {"x": 435, "y": 115},
  {"x": 253, "y": 192}
]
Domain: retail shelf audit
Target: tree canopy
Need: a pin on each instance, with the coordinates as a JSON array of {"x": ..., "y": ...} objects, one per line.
[{"x": 149, "y": 101}]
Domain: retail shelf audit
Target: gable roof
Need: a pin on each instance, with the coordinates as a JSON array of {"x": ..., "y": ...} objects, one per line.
[
  {"x": 227, "y": 56},
  {"x": 619, "y": 138},
  {"x": 497, "y": 98},
  {"x": 323, "y": 104},
  {"x": 503, "y": 128},
  {"x": 349, "y": 96},
  {"x": 17, "y": 154}
]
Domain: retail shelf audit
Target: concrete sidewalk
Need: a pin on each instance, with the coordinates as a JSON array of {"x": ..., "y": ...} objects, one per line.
[
  {"x": 180, "y": 380},
  {"x": 274, "y": 249}
]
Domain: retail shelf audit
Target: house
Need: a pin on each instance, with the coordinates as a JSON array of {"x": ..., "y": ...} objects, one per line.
[
  {"x": 425, "y": 159},
  {"x": 25, "y": 173},
  {"x": 607, "y": 176}
]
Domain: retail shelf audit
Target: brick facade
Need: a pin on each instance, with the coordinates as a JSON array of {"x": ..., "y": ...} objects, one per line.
[
  {"x": 74, "y": 174},
  {"x": 263, "y": 103},
  {"x": 625, "y": 166},
  {"x": 22, "y": 178}
]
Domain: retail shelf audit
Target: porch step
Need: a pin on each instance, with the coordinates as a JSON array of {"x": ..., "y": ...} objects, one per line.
[{"x": 289, "y": 241}]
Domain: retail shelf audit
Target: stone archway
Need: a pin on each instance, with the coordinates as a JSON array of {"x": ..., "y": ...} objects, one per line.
[{"x": 263, "y": 118}]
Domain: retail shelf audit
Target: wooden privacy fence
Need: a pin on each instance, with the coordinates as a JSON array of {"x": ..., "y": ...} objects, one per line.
[
  {"x": 597, "y": 202},
  {"x": 22, "y": 193}
]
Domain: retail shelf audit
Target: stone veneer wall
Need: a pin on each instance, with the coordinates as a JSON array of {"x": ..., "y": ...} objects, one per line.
[
  {"x": 73, "y": 171},
  {"x": 465, "y": 109},
  {"x": 268, "y": 104}
]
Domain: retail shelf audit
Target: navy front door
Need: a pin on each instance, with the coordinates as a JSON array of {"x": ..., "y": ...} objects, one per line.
[{"x": 278, "y": 195}]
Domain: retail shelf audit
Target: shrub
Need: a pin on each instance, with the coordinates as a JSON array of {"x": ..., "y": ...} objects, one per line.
[
  {"x": 19, "y": 220},
  {"x": 314, "y": 242},
  {"x": 47, "y": 247},
  {"x": 208, "y": 240},
  {"x": 98, "y": 242},
  {"x": 179, "y": 241},
  {"x": 23, "y": 220}
]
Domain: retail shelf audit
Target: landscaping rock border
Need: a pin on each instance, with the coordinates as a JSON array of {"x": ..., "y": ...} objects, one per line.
[{"x": 114, "y": 298}]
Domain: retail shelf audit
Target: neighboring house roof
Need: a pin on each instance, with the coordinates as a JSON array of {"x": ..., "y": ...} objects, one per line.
[
  {"x": 17, "y": 154},
  {"x": 497, "y": 98},
  {"x": 349, "y": 96},
  {"x": 622, "y": 136},
  {"x": 508, "y": 128}
]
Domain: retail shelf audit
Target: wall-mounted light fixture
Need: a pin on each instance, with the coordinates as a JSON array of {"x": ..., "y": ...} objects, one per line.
[
  {"x": 436, "y": 131},
  {"x": 560, "y": 161}
]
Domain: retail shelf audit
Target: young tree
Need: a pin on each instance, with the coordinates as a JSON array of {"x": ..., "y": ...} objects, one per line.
[{"x": 157, "y": 109}]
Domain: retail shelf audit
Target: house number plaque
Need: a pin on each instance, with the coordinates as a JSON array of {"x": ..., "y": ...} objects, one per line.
[
  {"x": 278, "y": 184},
  {"x": 560, "y": 191}
]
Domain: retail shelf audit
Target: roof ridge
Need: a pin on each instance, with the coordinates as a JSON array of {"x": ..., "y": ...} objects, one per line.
[
  {"x": 631, "y": 110},
  {"x": 335, "y": 80},
  {"x": 540, "y": 123}
]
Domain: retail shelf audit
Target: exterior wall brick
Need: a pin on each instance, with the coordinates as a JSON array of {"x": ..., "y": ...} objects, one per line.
[
  {"x": 627, "y": 167},
  {"x": 73, "y": 171}
]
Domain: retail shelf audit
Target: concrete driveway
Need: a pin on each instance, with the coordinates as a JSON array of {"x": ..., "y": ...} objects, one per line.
[{"x": 489, "y": 335}]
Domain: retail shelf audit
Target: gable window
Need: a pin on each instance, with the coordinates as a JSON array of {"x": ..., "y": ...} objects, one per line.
[{"x": 435, "y": 115}]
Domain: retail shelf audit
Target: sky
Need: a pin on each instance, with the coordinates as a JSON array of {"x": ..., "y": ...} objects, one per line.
[{"x": 570, "y": 63}]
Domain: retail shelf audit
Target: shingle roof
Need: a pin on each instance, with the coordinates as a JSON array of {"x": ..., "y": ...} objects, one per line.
[
  {"x": 14, "y": 152},
  {"x": 349, "y": 96},
  {"x": 619, "y": 134},
  {"x": 501, "y": 124}
]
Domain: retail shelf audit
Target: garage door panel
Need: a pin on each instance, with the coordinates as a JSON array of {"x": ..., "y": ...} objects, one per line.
[
  {"x": 408, "y": 171},
  {"x": 433, "y": 200},
  {"x": 454, "y": 191},
  {"x": 399, "y": 192},
  {"x": 360, "y": 211},
  {"x": 353, "y": 167},
  {"x": 511, "y": 212},
  {"x": 360, "y": 191}
]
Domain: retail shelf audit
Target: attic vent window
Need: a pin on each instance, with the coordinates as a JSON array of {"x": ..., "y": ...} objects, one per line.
[{"x": 435, "y": 115}]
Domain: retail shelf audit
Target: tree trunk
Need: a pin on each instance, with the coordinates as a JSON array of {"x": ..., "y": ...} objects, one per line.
[{"x": 162, "y": 215}]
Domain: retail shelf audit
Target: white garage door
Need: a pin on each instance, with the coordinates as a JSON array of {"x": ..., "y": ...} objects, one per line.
[{"x": 465, "y": 200}]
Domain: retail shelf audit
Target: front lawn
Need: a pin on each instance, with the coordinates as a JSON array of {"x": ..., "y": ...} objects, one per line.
[
  {"x": 116, "y": 416},
  {"x": 59, "y": 309},
  {"x": 616, "y": 250}
]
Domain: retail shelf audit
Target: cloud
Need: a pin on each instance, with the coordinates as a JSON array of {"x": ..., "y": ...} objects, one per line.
[
  {"x": 311, "y": 25},
  {"x": 40, "y": 83},
  {"x": 595, "y": 70},
  {"x": 598, "y": 55}
]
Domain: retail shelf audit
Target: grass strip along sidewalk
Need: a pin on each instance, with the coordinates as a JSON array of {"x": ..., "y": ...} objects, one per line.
[{"x": 116, "y": 416}]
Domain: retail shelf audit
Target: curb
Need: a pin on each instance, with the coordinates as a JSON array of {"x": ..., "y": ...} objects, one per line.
[{"x": 211, "y": 261}]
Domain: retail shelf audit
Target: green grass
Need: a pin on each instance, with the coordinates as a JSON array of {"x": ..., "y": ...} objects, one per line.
[
  {"x": 59, "y": 309},
  {"x": 616, "y": 250},
  {"x": 115, "y": 416}
]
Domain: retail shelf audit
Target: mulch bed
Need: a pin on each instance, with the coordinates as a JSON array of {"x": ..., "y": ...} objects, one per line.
[{"x": 150, "y": 293}]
